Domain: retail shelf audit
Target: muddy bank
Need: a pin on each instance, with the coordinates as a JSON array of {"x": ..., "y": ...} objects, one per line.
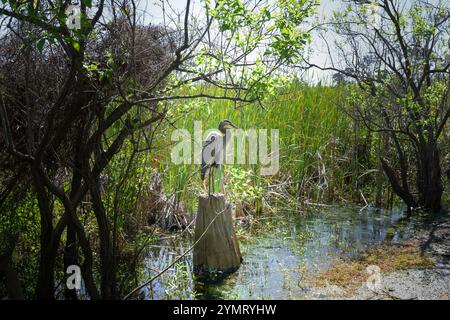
[{"x": 418, "y": 281}]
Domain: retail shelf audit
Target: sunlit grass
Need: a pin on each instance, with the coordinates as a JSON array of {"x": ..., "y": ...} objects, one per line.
[{"x": 313, "y": 132}]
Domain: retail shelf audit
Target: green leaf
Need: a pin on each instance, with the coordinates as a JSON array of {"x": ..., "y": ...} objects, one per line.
[
  {"x": 76, "y": 45},
  {"x": 40, "y": 44},
  {"x": 87, "y": 3}
]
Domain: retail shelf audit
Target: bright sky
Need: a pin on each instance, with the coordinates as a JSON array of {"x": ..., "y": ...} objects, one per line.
[
  {"x": 152, "y": 12},
  {"x": 320, "y": 55}
]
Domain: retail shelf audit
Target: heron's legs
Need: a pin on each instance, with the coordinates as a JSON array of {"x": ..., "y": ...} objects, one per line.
[
  {"x": 221, "y": 179},
  {"x": 212, "y": 178},
  {"x": 209, "y": 181}
]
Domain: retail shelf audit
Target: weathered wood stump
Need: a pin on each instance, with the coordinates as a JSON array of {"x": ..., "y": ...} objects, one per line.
[{"x": 217, "y": 252}]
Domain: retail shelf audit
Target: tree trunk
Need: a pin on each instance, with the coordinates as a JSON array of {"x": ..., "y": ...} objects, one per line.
[
  {"x": 217, "y": 252},
  {"x": 46, "y": 278},
  {"x": 71, "y": 247},
  {"x": 403, "y": 193},
  {"x": 429, "y": 181},
  {"x": 70, "y": 258},
  {"x": 108, "y": 268},
  {"x": 13, "y": 287}
]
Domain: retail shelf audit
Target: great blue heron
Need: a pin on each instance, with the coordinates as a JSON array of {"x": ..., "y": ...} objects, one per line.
[{"x": 213, "y": 152}]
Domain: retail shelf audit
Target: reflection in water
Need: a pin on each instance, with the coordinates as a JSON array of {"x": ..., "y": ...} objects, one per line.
[{"x": 276, "y": 262}]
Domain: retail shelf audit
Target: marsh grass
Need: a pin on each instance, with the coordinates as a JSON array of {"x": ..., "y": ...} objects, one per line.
[{"x": 317, "y": 160}]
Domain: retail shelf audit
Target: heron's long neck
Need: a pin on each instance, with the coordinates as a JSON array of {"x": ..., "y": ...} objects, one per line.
[{"x": 226, "y": 139}]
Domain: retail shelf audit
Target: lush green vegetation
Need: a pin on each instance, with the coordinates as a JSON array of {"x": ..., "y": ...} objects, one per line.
[{"x": 324, "y": 155}]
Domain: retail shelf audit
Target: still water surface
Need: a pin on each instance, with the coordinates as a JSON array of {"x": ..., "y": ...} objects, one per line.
[{"x": 278, "y": 257}]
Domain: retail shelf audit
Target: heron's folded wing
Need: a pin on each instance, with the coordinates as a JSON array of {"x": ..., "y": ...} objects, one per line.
[
  {"x": 210, "y": 140},
  {"x": 205, "y": 164}
]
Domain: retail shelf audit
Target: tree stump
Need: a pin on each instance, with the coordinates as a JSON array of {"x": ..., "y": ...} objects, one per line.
[{"x": 217, "y": 253}]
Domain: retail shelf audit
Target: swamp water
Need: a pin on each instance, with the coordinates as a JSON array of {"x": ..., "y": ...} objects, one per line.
[{"x": 278, "y": 256}]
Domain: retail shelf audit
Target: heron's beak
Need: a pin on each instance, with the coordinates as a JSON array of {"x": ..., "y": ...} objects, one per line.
[{"x": 233, "y": 126}]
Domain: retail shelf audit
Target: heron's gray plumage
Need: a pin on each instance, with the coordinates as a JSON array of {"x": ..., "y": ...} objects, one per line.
[
  {"x": 214, "y": 148},
  {"x": 207, "y": 164}
]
